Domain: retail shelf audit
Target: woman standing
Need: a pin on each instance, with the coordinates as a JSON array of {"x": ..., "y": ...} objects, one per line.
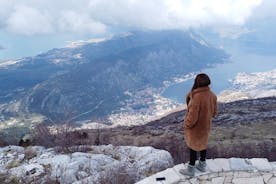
[{"x": 202, "y": 107}]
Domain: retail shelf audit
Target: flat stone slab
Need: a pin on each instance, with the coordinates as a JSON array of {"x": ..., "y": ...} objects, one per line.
[
  {"x": 253, "y": 180},
  {"x": 273, "y": 165},
  {"x": 261, "y": 164},
  {"x": 272, "y": 181},
  {"x": 218, "y": 180},
  {"x": 267, "y": 177},
  {"x": 169, "y": 175},
  {"x": 239, "y": 164},
  {"x": 177, "y": 168},
  {"x": 212, "y": 166},
  {"x": 223, "y": 163},
  {"x": 219, "y": 171}
]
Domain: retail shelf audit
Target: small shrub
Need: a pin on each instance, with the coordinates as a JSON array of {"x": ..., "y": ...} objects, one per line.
[
  {"x": 12, "y": 135},
  {"x": 116, "y": 157},
  {"x": 80, "y": 148},
  {"x": 150, "y": 173},
  {"x": 47, "y": 167},
  {"x": 30, "y": 153},
  {"x": 3, "y": 177},
  {"x": 13, "y": 180},
  {"x": 117, "y": 176},
  {"x": 42, "y": 136},
  {"x": 51, "y": 181}
]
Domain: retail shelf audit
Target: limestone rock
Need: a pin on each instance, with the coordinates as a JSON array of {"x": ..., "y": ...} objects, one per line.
[{"x": 97, "y": 166}]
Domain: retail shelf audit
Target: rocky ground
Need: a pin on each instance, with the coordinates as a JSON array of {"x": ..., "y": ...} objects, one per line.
[
  {"x": 241, "y": 129},
  {"x": 221, "y": 171},
  {"x": 95, "y": 164}
]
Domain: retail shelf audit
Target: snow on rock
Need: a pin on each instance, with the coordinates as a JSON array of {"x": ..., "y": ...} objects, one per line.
[
  {"x": 97, "y": 165},
  {"x": 79, "y": 43},
  {"x": 199, "y": 40},
  {"x": 248, "y": 86},
  {"x": 6, "y": 64}
]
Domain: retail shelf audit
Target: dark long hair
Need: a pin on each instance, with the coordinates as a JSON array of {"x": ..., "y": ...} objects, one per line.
[{"x": 201, "y": 80}]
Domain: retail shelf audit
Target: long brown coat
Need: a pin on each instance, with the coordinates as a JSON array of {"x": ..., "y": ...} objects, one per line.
[{"x": 202, "y": 108}]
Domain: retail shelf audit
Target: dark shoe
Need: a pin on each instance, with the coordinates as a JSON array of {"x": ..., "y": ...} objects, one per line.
[
  {"x": 201, "y": 166},
  {"x": 190, "y": 171}
]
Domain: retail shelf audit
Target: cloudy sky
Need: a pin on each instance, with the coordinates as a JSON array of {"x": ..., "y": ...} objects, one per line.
[{"x": 28, "y": 27}]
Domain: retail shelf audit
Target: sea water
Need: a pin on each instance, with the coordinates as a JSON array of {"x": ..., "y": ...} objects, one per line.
[{"x": 222, "y": 74}]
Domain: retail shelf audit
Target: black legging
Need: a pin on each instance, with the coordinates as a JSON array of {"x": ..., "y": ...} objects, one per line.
[{"x": 193, "y": 156}]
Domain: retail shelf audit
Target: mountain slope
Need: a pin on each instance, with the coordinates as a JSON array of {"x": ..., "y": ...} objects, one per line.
[
  {"x": 96, "y": 88},
  {"x": 90, "y": 81}
]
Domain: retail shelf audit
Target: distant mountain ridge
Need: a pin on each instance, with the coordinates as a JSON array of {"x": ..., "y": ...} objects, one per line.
[{"x": 89, "y": 81}]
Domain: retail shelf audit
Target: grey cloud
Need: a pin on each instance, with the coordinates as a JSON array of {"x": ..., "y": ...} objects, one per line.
[{"x": 29, "y": 17}]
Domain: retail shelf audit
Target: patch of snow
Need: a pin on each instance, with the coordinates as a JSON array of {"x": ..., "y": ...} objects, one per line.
[
  {"x": 77, "y": 56},
  {"x": 199, "y": 40},
  {"x": 183, "y": 78},
  {"x": 5, "y": 64},
  {"x": 91, "y": 125},
  {"x": 79, "y": 43},
  {"x": 58, "y": 60}
]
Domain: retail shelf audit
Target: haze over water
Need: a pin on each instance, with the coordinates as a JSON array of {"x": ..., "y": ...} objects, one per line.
[{"x": 222, "y": 74}]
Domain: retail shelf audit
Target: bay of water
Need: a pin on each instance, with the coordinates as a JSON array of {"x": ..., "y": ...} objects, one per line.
[{"x": 221, "y": 74}]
